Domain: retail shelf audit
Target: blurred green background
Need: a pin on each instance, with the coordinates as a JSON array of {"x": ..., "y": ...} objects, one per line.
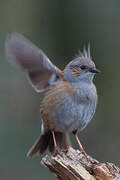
[{"x": 60, "y": 29}]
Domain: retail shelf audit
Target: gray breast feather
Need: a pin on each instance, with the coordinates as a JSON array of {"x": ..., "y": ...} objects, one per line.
[
  {"x": 76, "y": 113},
  {"x": 67, "y": 115}
]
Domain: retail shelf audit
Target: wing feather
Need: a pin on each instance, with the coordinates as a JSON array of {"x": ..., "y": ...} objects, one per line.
[{"x": 32, "y": 60}]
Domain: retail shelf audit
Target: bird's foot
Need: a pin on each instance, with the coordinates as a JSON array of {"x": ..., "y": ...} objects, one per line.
[
  {"x": 57, "y": 151},
  {"x": 85, "y": 154}
]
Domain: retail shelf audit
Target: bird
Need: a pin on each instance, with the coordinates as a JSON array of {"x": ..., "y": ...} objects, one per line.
[{"x": 70, "y": 98}]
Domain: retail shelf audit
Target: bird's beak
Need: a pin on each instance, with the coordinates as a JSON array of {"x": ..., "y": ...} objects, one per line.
[{"x": 94, "y": 70}]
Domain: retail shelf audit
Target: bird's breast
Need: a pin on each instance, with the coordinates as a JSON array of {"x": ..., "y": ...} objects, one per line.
[
  {"x": 67, "y": 108},
  {"x": 85, "y": 100}
]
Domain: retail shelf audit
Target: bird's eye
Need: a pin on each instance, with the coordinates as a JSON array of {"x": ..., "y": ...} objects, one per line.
[{"x": 83, "y": 67}]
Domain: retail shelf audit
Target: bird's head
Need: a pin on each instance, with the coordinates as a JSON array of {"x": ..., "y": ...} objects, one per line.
[{"x": 82, "y": 68}]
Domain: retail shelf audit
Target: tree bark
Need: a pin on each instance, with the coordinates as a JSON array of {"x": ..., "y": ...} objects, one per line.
[{"x": 73, "y": 165}]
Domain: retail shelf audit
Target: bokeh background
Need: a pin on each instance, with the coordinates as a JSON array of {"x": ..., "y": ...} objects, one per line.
[{"x": 60, "y": 29}]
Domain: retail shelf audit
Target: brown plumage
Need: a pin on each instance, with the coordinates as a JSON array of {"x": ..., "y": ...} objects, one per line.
[
  {"x": 49, "y": 105},
  {"x": 51, "y": 102}
]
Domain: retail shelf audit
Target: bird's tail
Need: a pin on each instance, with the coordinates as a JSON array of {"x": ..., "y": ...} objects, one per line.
[{"x": 45, "y": 142}]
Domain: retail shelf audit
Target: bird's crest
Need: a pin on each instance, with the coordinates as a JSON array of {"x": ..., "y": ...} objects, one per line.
[{"x": 85, "y": 53}]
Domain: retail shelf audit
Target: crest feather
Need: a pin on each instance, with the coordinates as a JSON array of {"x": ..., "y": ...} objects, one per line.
[{"x": 85, "y": 53}]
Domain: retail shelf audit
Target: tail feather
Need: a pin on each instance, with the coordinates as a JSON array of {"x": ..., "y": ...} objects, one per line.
[
  {"x": 45, "y": 141},
  {"x": 62, "y": 140},
  {"x": 40, "y": 144}
]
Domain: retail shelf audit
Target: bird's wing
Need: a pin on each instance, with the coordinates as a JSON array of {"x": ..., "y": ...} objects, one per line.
[{"x": 39, "y": 69}]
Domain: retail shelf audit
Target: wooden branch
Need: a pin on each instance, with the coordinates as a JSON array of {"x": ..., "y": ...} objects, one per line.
[{"x": 75, "y": 166}]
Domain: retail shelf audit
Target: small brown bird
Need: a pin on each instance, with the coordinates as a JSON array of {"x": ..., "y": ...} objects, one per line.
[{"x": 70, "y": 99}]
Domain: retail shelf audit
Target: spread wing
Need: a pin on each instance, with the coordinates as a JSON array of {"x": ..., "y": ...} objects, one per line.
[{"x": 39, "y": 69}]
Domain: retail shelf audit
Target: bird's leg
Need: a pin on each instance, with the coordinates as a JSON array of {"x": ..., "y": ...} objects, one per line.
[
  {"x": 57, "y": 149},
  {"x": 80, "y": 145}
]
